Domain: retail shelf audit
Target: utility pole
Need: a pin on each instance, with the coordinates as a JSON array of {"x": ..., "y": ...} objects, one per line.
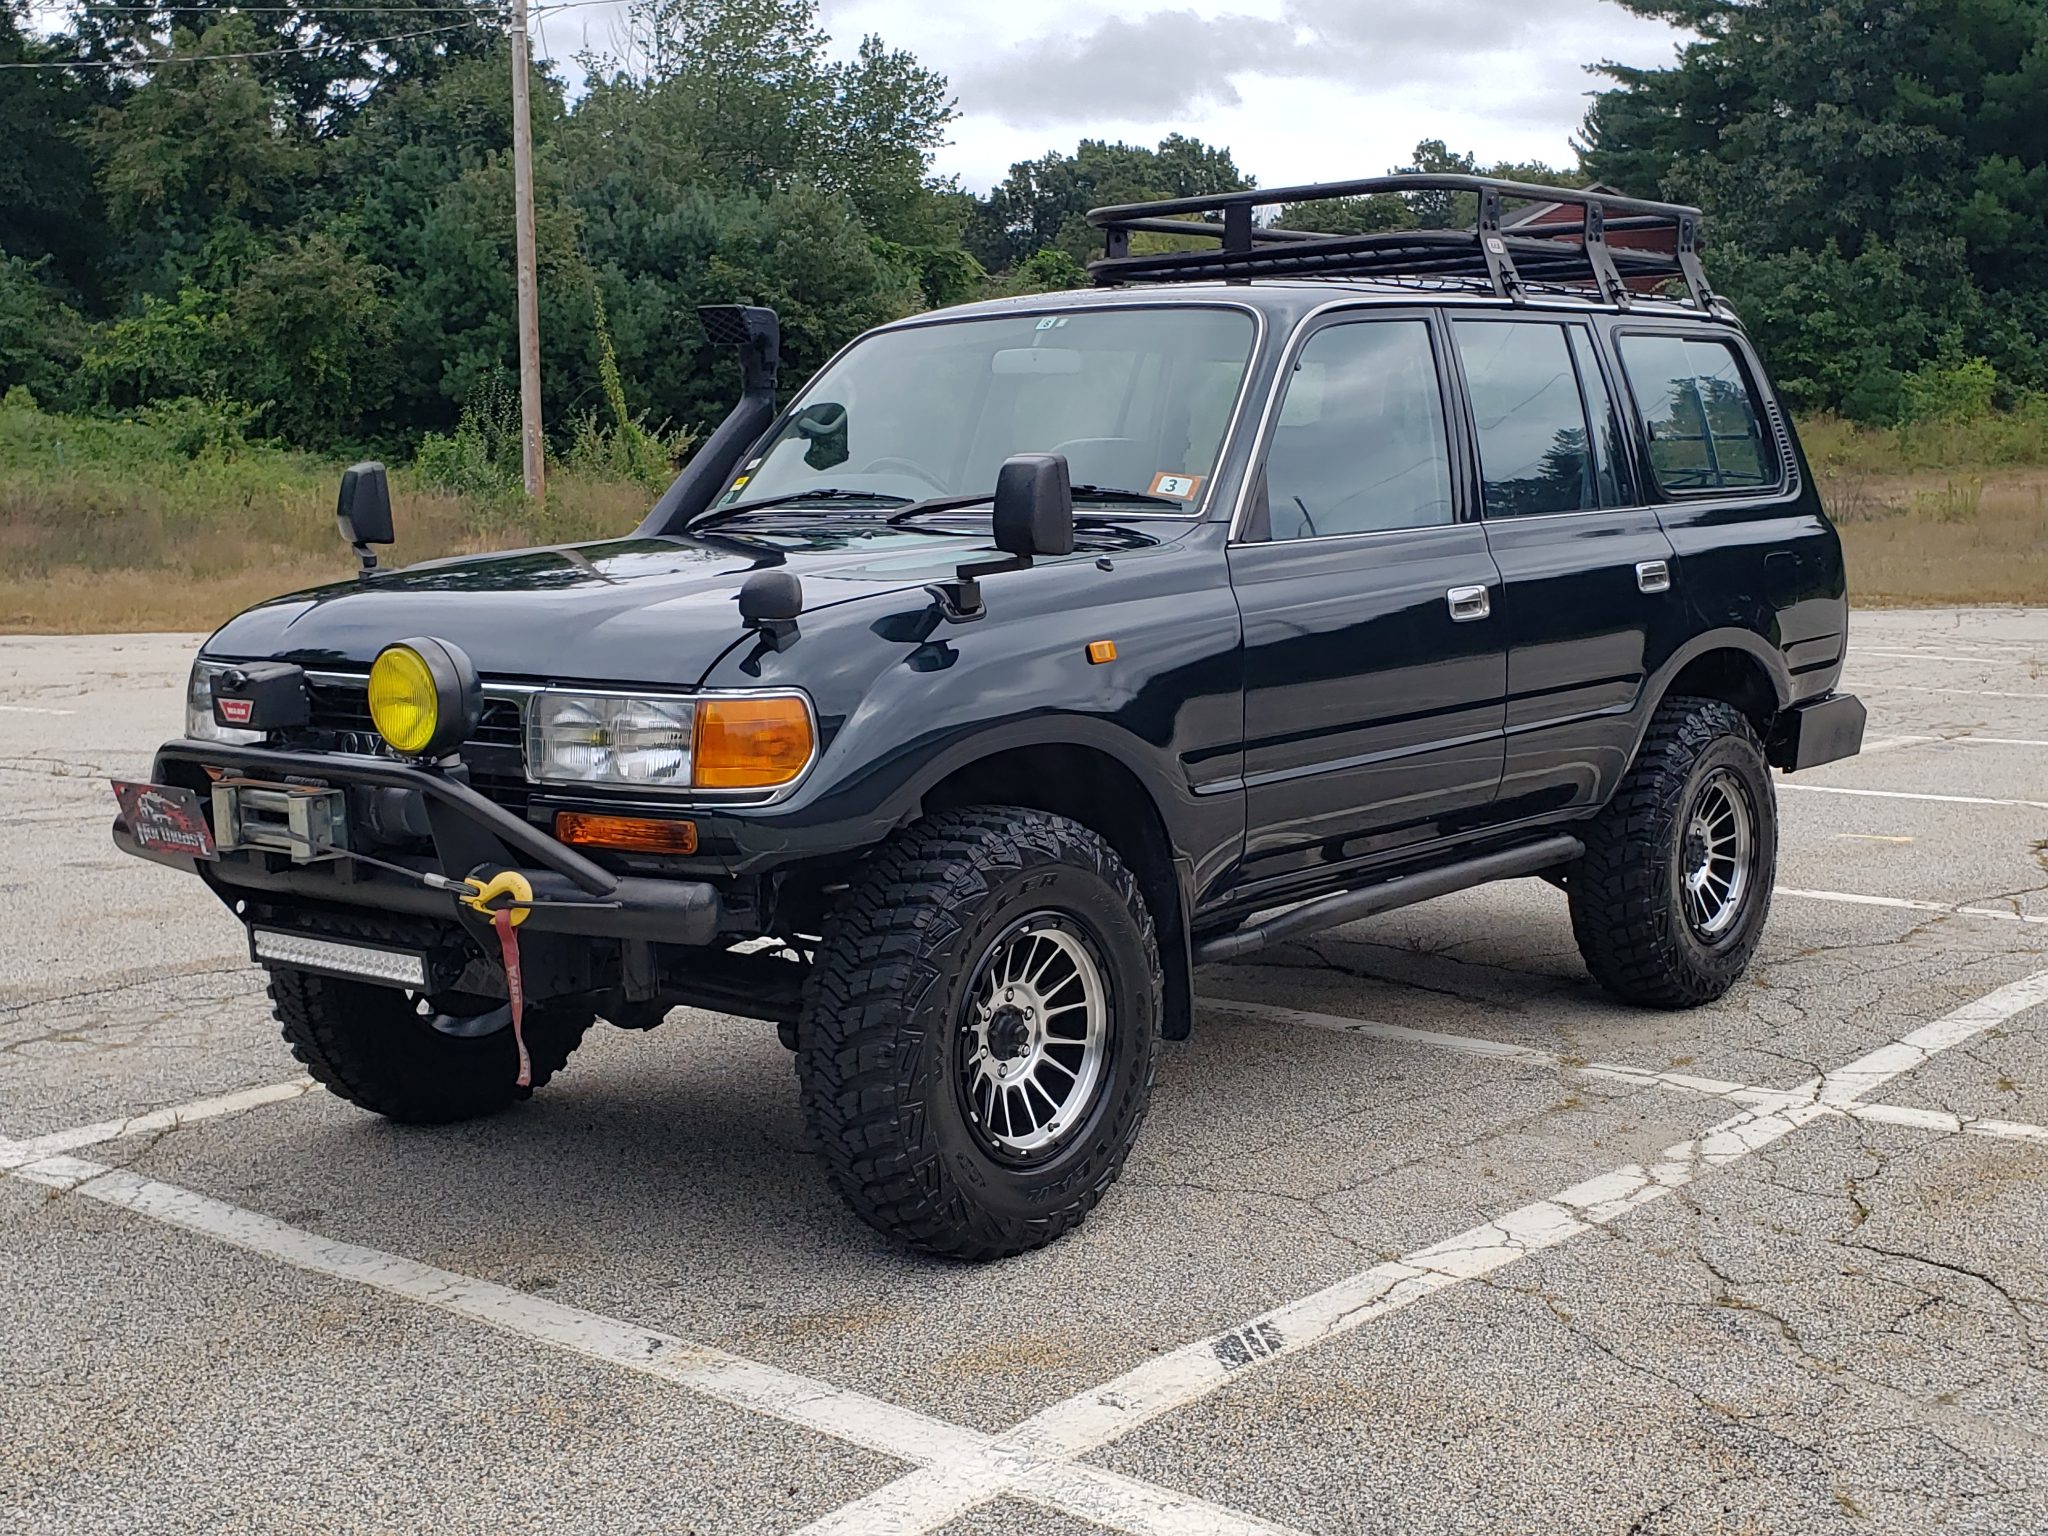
[{"x": 532, "y": 449}]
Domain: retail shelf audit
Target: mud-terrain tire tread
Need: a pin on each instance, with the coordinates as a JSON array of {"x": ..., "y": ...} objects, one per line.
[
  {"x": 858, "y": 1059},
  {"x": 367, "y": 1045},
  {"x": 1629, "y": 931}
]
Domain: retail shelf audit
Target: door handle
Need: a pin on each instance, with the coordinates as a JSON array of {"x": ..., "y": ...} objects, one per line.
[
  {"x": 1653, "y": 575},
  {"x": 1469, "y": 603}
]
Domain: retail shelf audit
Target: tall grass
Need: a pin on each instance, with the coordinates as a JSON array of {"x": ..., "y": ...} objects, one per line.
[{"x": 167, "y": 524}]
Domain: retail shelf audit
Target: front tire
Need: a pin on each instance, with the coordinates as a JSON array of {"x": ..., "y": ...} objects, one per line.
[
  {"x": 376, "y": 1047},
  {"x": 1669, "y": 901},
  {"x": 979, "y": 1033}
]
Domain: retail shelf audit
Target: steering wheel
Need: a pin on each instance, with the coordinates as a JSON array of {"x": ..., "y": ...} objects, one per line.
[{"x": 886, "y": 464}]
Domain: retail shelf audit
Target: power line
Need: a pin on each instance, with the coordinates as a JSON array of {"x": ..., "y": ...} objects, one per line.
[
  {"x": 325, "y": 46},
  {"x": 229, "y": 7},
  {"x": 477, "y": 16}
]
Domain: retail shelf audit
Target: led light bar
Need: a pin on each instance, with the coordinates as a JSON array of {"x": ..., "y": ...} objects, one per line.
[{"x": 332, "y": 957}]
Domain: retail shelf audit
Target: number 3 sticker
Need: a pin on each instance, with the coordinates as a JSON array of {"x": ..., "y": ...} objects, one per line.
[{"x": 1179, "y": 487}]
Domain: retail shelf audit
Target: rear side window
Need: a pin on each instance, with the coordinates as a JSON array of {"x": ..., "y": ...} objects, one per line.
[
  {"x": 1534, "y": 455},
  {"x": 1703, "y": 419}
]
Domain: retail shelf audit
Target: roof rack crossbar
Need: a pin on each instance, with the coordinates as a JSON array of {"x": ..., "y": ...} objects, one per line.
[{"x": 1558, "y": 254}]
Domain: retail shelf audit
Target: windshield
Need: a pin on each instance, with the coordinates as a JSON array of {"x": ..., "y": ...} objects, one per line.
[{"x": 1138, "y": 401}]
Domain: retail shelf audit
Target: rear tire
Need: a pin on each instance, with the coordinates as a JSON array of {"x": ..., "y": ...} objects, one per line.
[
  {"x": 1668, "y": 904},
  {"x": 372, "y": 1046},
  {"x": 979, "y": 1033}
]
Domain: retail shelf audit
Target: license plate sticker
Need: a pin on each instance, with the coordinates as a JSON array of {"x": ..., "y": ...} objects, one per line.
[{"x": 165, "y": 819}]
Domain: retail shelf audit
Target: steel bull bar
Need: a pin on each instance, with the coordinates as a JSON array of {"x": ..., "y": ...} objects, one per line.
[{"x": 473, "y": 837}]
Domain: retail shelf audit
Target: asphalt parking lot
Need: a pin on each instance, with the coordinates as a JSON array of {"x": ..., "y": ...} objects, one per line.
[{"x": 1423, "y": 1234}]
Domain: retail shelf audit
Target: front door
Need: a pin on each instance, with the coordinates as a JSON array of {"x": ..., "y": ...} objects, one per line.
[{"x": 1375, "y": 663}]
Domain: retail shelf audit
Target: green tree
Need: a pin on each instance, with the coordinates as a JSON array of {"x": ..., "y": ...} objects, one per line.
[
  {"x": 49, "y": 207},
  {"x": 1853, "y": 149},
  {"x": 1042, "y": 204},
  {"x": 197, "y": 153},
  {"x": 311, "y": 332}
]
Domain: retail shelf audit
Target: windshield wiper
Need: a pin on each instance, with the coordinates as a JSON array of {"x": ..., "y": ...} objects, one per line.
[
  {"x": 820, "y": 493},
  {"x": 1101, "y": 493},
  {"x": 940, "y": 504},
  {"x": 1111, "y": 493}
]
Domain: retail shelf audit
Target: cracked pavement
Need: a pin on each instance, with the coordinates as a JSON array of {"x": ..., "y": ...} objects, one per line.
[{"x": 1845, "y": 1331}]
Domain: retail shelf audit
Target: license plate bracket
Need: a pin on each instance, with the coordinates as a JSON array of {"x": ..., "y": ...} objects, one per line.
[
  {"x": 307, "y": 822},
  {"x": 162, "y": 818}
]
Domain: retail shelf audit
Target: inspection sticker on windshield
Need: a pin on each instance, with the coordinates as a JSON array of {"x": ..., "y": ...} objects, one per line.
[{"x": 1179, "y": 487}]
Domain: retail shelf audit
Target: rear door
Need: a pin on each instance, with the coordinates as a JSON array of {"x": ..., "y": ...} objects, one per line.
[
  {"x": 1590, "y": 605},
  {"x": 1374, "y": 654},
  {"x": 1754, "y": 550}
]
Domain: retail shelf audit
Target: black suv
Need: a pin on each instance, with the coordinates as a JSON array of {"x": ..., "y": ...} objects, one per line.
[{"x": 1039, "y": 652}]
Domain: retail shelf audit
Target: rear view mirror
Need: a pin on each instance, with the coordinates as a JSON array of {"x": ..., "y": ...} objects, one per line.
[
  {"x": 823, "y": 426},
  {"x": 363, "y": 510},
  {"x": 1034, "y": 506}
]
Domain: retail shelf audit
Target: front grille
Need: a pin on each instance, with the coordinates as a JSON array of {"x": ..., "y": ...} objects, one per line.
[{"x": 495, "y": 752}]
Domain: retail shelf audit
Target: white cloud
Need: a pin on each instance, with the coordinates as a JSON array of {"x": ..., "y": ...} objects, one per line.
[{"x": 1300, "y": 90}]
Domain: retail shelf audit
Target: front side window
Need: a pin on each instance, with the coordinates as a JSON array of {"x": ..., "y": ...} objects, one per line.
[
  {"x": 1703, "y": 421},
  {"x": 1137, "y": 400},
  {"x": 1534, "y": 456},
  {"x": 1360, "y": 446}
]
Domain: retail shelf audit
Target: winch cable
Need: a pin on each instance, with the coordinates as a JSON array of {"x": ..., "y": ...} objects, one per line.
[{"x": 479, "y": 896}]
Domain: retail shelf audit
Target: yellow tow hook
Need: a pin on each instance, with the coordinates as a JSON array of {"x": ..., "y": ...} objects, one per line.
[{"x": 508, "y": 882}]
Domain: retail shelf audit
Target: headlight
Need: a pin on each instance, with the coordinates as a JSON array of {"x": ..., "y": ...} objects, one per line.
[
  {"x": 753, "y": 741},
  {"x": 424, "y": 697},
  {"x": 199, "y": 721}
]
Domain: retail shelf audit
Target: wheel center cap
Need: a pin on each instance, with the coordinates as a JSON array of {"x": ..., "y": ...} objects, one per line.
[
  {"x": 1009, "y": 1034},
  {"x": 1695, "y": 850}
]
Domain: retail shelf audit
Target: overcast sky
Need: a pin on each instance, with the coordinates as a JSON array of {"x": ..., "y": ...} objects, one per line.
[{"x": 1301, "y": 90}]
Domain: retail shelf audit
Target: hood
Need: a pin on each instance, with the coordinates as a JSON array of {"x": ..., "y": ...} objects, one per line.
[{"x": 652, "y": 611}]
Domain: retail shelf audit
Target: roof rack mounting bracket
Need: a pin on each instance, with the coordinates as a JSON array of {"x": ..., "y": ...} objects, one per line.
[
  {"x": 1601, "y": 259},
  {"x": 1500, "y": 266},
  {"x": 1689, "y": 262}
]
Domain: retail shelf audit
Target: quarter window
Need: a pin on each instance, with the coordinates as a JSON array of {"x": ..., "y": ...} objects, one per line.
[
  {"x": 1704, "y": 425},
  {"x": 1360, "y": 446},
  {"x": 1534, "y": 456}
]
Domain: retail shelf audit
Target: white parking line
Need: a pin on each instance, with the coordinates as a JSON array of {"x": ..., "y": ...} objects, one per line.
[
  {"x": 1968, "y": 693},
  {"x": 1851, "y": 898},
  {"x": 33, "y": 709},
  {"x": 1473, "y": 1045},
  {"x": 1902, "y": 794},
  {"x": 15, "y": 1153},
  {"x": 1090, "y": 1493},
  {"x": 1950, "y": 1125},
  {"x": 927, "y": 1499},
  {"x": 1971, "y": 661}
]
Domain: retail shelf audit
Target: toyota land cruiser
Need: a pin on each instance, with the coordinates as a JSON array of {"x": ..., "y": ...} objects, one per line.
[{"x": 1038, "y": 652}]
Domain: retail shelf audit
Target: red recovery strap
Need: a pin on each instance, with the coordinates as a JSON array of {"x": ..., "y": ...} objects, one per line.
[{"x": 508, "y": 944}]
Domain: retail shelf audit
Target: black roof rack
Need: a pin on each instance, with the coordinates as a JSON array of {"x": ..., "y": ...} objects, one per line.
[{"x": 1511, "y": 258}]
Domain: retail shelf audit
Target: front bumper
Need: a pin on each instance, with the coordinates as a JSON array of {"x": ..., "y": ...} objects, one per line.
[{"x": 471, "y": 835}]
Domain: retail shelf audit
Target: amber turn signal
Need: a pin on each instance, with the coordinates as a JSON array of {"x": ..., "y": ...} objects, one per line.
[
  {"x": 1100, "y": 651},
  {"x": 629, "y": 834},
  {"x": 750, "y": 743}
]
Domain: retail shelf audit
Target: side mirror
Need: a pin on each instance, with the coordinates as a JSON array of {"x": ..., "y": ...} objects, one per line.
[
  {"x": 1034, "y": 506},
  {"x": 363, "y": 510},
  {"x": 771, "y": 602}
]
